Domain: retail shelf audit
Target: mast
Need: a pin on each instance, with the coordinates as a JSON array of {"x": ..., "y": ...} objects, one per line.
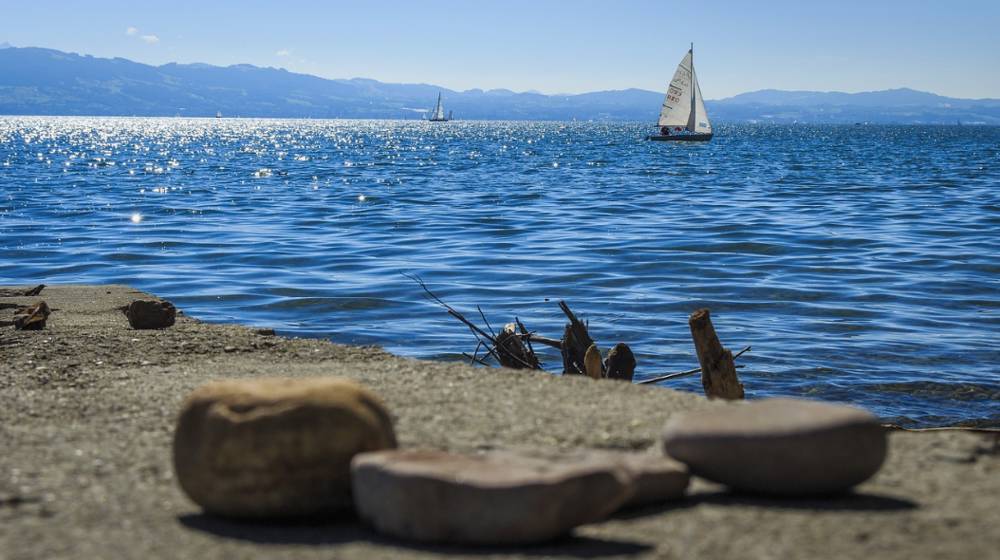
[{"x": 692, "y": 122}]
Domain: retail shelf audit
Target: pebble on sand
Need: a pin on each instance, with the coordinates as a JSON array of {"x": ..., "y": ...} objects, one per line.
[
  {"x": 490, "y": 499},
  {"x": 276, "y": 447},
  {"x": 782, "y": 446}
]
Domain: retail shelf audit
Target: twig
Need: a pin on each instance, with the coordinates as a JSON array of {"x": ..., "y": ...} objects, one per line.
[
  {"x": 451, "y": 310},
  {"x": 530, "y": 336},
  {"x": 474, "y": 359},
  {"x": 485, "y": 320},
  {"x": 680, "y": 374},
  {"x": 527, "y": 340},
  {"x": 475, "y": 353},
  {"x": 492, "y": 348}
]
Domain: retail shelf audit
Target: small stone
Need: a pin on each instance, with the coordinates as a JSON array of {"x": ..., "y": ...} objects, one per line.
[
  {"x": 786, "y": 447},
  {"x": 276, "y": 447},
  {"x": 490, "y": 499},
  {"x": 32, "y": 318},
  {"x": 150, "y": 314},
  {"x": 265, "y": 332}
]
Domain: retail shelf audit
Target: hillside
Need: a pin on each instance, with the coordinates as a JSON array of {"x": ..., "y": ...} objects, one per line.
[{"x": 37, "y": 81}]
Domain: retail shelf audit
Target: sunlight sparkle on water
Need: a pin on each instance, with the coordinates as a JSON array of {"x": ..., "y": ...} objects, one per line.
[{"x": 136, "y": 218}]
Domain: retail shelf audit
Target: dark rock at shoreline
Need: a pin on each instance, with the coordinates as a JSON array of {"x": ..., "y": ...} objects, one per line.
[
  {"x": 32, "y": 318},
  {"x": 491, "y": 499},
  {"x": 276, "y": 447},
  {"x": 779, "y": 446},
  {"x": 151, "y": 314}
]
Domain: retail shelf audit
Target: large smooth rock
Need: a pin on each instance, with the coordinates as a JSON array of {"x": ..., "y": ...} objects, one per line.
[
  {"x": 150, "y": 314},
  {"x": 779, "y": 446},
  {"x": 276, "y": 447},
  {"x": 490, "y": 499}
]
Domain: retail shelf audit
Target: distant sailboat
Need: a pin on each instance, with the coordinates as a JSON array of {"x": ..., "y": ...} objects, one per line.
[
  {"x": 438, "y": 114},
  {"x": 683, "y": 116},
  {"x": 218, "y": 114}
]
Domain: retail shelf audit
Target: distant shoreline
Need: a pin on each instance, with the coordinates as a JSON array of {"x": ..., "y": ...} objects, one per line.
[{"x": 460, "y": 121}]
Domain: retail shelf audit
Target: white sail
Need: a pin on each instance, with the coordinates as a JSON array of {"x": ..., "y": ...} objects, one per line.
[
  {"x": 676, "y": 110},
  {"x": 700, "y": 121},
  {"x": 438, "y": 111}
]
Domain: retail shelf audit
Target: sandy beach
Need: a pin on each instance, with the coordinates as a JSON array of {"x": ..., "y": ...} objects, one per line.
[{"x": 89, "y": 406}]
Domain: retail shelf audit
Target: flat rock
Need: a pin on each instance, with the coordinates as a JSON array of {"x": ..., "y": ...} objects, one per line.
[
  {"x": 151, "y": 314},
  {"x": 276, "y": 447},
  {"x": 490, "y": 499},
  {"x": 655, "y": 478},
  {"x": 779, "y": 446}
]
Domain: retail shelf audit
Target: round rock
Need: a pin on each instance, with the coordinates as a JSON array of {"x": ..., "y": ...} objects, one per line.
[
  {"x": 491, "y": 499},
  {"x": 276, "y": 447},
  {"x": 784, "y": 447},
  {"x": 150, "y": 314}
]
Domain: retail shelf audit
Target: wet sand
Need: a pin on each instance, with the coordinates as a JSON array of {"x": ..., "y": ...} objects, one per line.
[{"x": 87, "y": 409}]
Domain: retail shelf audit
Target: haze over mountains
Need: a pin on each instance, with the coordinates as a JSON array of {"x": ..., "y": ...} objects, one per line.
[{"x": 36, "y": 81}]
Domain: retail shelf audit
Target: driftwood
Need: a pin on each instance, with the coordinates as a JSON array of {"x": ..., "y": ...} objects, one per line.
[
  {"x": 620, "y": 363},
  {"x": 512, "y": 348},
  {"x": 513, "y": 352},
  {"x": 592, "y": 364},
  {"x": 575, "y": 343},
  {"x": 718, "y": 371},
  {"x": 685, "y": 373},
  {"x": 31, "y": 292},
  {"x": 506, "y": 348},
  {"x": 532, "y": 337}
]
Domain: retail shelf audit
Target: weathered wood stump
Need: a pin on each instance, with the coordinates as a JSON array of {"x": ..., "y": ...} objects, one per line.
[
  {"x": 575, "y": 343},
  {"x": 620, "y": 363},
  {"x": 592, "y": 362},
  {"x": 718, "y": 371}
]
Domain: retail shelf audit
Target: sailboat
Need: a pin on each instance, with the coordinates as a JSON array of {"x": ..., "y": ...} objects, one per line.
[
  {"x": 683, "y": 116},
  {"x": 438, "y": 114}
]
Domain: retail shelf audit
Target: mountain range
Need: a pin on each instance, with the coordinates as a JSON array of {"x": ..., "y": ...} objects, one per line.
[{"x": 38, "y": 81}]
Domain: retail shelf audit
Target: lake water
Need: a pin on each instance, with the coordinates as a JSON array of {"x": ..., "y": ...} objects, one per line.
[{"x": 862, "y": 263}]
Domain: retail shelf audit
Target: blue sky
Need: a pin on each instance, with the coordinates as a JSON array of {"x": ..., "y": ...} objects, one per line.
[{"x": 951, "y": 48}]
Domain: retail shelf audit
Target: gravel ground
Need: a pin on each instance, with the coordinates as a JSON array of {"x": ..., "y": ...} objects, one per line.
[{"x": 87, "y": 409}]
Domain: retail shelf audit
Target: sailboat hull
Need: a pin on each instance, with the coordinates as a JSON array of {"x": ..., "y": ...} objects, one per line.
[{"x": 680, "y": 137}]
